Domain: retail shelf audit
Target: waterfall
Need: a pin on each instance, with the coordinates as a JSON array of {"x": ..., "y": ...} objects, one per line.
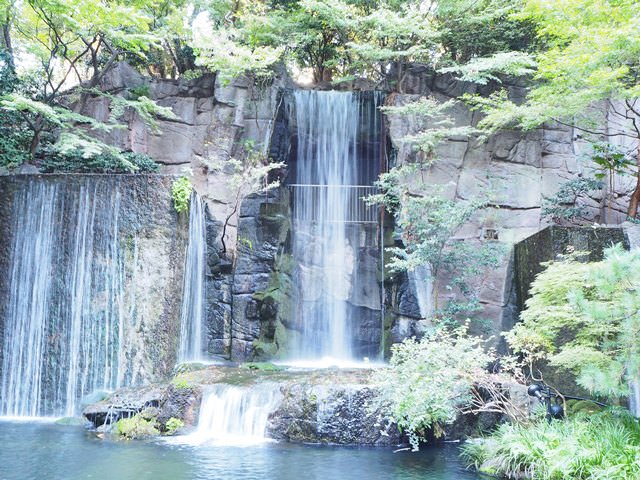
[
  {"x": 233, "y": 415},
  {"x": 634, "y": 397},
  {"x": 192, "y": 312},
  {"x": 422, "y": 284},
  {"x": 337, "y": 160},
  {"x": 63, "y": 322}
]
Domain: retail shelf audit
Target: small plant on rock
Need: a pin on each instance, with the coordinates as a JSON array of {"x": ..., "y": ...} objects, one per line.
[
  {"x": 181, "y": 194},
  {"x": 135, "y": 427},
  {"x": 173, "y": 425}
]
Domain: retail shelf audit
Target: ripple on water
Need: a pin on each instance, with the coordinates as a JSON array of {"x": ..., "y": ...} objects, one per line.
[{"x": 55, "y": 452}]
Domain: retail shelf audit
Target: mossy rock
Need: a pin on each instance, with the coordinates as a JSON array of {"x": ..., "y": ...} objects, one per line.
[
  {"x": 575, "y": 407},
  {"x": 187, "y": 367},
  {"x": 135, "y": 427},
  {"x": 181, "y": 383},
  {"x": 262, "y": 366}
]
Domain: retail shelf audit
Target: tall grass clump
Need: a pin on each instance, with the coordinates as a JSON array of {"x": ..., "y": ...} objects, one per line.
[{"x": 600, "y": 446}]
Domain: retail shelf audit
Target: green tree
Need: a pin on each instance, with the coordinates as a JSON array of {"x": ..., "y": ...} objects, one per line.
[
  {"x": 427, "y": 224},
  {"x": 587, "y": 72},
  {"x": 585, "y": 318},
  {"x": 72, "y": 51}
]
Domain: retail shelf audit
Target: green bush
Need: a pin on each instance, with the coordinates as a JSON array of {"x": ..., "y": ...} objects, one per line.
[
  {"x": 173, "y": 425},
  {"x": 75, "y": 162},
  {"x": 600, "y": 446},
  {"x": 428, "y": 381},
  {"x": 584, "y": 318},
  {"x": 135, "y": 427},
  {"x": 181, "y": 194},
  {"x": 181, "y": 383}
]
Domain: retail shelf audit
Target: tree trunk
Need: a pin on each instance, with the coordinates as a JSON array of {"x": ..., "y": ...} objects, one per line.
[
  {"x": 635, "y": 196},
  {"x": 5, "y": 39},
  {"x": 38, "y": 126}
]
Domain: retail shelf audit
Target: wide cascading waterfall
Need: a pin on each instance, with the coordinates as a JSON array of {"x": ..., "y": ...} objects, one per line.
[
  {"x": 338, "y": 158},
  {"x": 192, "y": 312},
  {"x": 65, "y": 247},
  {"x": 233, "y": 415}
]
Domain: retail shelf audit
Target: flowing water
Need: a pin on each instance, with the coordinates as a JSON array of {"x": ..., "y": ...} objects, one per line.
[
  {"x": 36, "y": 451},
  {"x": 233, "y": 415},
  {"x": 634, "y": 397},
  {"x": 64, "y": 319},
  {"x": 335, "y": 166},
  {"x": 422, "y": 284},
  {"x": 193, "y": 297}
]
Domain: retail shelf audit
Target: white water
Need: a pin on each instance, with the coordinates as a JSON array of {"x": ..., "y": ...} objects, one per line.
[
  {"x": 634, "y": 398},
  {"x": 193, "y": 296},
  {"x": 233, "y": 415},
  {"x": 422, "y": 284},
  {"x": 329, "y": 183},
  {"x": 64, "y": 319}
]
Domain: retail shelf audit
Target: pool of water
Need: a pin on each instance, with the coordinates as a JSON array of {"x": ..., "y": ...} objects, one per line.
[{"x": 55, "y": 452}]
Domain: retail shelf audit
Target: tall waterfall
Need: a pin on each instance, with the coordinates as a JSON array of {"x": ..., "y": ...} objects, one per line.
[
  {"x": 192, "y": 313},
  {"x": 236, "y": 415},
  {"x": 55, "y": 351},
  {"x": 338, "y": 158}
]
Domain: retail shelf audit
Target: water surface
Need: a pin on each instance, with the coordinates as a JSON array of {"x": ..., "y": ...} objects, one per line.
[{"x": 54, "y": 452}]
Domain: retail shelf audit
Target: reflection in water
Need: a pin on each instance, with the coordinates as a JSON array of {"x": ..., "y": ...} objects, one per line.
[{"x": 53, "y": 452}]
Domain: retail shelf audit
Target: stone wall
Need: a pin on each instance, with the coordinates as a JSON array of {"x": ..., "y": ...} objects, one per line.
[
  {"x": 215, "y": 121},
  {"x": 547, "y": 244},
  {"x": 522, "y": 169}
]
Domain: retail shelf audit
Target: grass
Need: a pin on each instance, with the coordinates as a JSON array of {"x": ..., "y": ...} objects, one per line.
[{"x": 599, "y": 446}]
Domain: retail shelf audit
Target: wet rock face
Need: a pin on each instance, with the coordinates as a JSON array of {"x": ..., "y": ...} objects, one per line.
[
  {"x": 261, "y": 282},
  {"x": 124, "y": 403},
  {"x": 163, "y": 402},
  {"x": 331, "y": 414}
]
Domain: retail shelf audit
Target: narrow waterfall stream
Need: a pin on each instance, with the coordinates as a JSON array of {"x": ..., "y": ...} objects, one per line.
[
  {"x": 422, "y": 284},
  {"x": 64, "y": 319},
  {"x": 193, "y": 297},
  {"x": 338, "y": 158},
  {"x": 233, "y": 415}
]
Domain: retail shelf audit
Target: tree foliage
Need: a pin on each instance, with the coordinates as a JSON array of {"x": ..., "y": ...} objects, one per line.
[
  {"x": 428, "y": 224},
  {"x": 585, "y": 318},
  {"x": 585, "y": 70}
]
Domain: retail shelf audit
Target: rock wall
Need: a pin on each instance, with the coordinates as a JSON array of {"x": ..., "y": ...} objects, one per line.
[
  {"x": 216, "y": 121},
  {"x": 522, "y": 169},
  {"x": 547, "y": 244}
]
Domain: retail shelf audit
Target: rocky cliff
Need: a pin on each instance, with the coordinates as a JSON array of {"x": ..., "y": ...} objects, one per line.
[{"x": 247, "y": 314}]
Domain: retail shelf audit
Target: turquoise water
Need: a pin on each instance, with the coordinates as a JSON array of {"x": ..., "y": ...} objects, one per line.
[{"x": 46, "y": 451}]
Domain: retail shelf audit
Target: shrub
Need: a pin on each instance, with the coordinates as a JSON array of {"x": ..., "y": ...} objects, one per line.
[
  {"x": 585, "y": 318},
  {"x": 181, "y": 194},
  {"x": 75, "y": 162},
  {"x": 173, "y": 425},
  {"x": 428, "y": 381},
  {"x": 135, "y": 427},
  {"x": 600, "y": 446}
]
